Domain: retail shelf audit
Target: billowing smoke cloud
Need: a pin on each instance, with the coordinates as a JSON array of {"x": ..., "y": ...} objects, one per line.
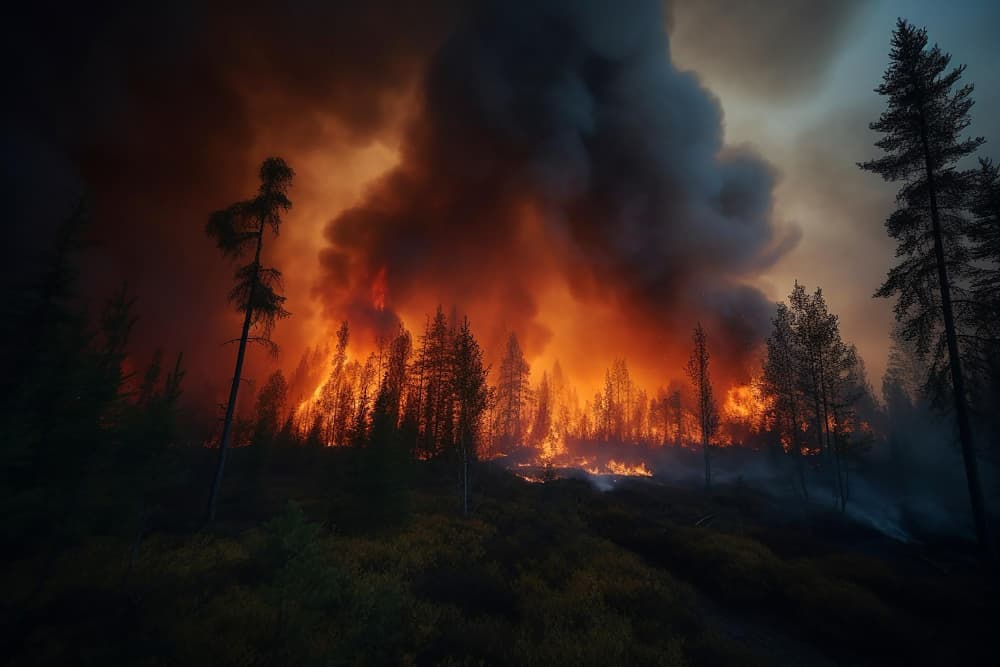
[
  {"x": 557, "y": 150},
  {"x": 162, "y": 114},
  {"x": 557, "y": 175}
]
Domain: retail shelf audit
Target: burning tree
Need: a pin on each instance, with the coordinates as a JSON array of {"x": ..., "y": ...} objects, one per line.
[
  {"x": 541, "y": 424},
  {"x": 707, "y": 413},
  {"x": 269, "y": 407},
  {"x": 333, "y": 403},
  {"x": 386, "y": 414},
  {"x": 512, "y": 393},
  {"x": 238, "y": 230},
  {"x": 675, "y": 411}
]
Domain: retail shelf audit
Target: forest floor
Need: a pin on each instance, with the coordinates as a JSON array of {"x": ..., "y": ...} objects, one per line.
[{"x": 331, "y": 557}]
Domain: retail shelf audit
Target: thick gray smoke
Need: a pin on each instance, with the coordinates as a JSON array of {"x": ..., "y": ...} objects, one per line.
[
  {"x": 556, "y": 141},
  {"x": 553, "y": 142}
]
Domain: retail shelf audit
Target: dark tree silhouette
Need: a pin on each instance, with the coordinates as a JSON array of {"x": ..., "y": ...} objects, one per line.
[
  {"x": 677, "y": 415},
  {"x": 331, "y": 406},
  {"x": 780, "y": 382},
  {"x": 144, "y": 435},
  {"x": 825, "y": 367},
  {"x": 512, "y": 392},
  {"x": 985, "y": 230},
  {"x": 470, "y": 398},
  {"x": 40, "y": 313},
  {"x": 707, "y": 413},
  {"x": 237, "y": 231},
  {"x": 922, "y": 140},
  {"x": 385, "y": 456},
  {"x": 269, "y": 408},
  {"x": 433, "y": 393},
  {"x": 541, "y": 423},
  {"x": 388, "y": 402},
  {"x": 982, "y": 311}
]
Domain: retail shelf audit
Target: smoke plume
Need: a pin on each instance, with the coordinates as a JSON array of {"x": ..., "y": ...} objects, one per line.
[
  {"x": 560, "y": 176},
  {"x": 544, "y": 167}
]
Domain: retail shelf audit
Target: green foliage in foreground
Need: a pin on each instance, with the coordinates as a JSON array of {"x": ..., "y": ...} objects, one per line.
[
  {"x": 516, "y": 586},
  {"x": 551, "y": 574}
]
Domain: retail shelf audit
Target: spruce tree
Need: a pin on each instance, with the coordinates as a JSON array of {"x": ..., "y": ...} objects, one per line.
[
  {"x": 239, "y": 230},
  {"x": 707, "y": 412},
  {"x": 780, "y": 383},
  {"x": 512, "y": 392},
  {"x": 471, "y": 393},
  {"x": 982, "y": 312},
  {"x": 923, "y": 140}
]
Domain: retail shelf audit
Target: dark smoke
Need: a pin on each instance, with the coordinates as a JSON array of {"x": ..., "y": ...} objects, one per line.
[
  {"x": 551, "y": 143},
  {"x": 556, "y": 142},
  {"x": 161, "y": 114}
]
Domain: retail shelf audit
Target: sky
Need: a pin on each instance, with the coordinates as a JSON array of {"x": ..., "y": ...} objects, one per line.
[
  {"x": 604, "y": 174},
  {"x": 809, "y": 115}
]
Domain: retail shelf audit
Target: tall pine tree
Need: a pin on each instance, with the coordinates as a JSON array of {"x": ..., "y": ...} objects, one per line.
[
  {"x": 512, "y": 393},
  {"x": 983, "y": 311},
  {"x": 707, "y": 412},
  {"x": 470, "y": 390},
  {"x": 780, "y": 383},
  {"x": 237, "y": 231},
  {"x": 922, "y": 139}
]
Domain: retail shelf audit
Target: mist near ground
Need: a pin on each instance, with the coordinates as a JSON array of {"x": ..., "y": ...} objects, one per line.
[{"x": 913, "y": 491}]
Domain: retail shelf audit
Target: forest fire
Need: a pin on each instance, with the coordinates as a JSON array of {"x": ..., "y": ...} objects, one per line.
[
  {"x": 536, "y": 417},
  {"x": 639, "y": 470},
  {"x": 746, "y": 403},
  {"x": 437, "y": 394},
  {"x": 473, "y": 333},
  {"x": 541, "y": 471}
]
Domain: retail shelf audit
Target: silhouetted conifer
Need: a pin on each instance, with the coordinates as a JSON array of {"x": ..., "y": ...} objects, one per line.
[
  {"x": 239, "y": 230},
  {"x": 923, "y": 141}
]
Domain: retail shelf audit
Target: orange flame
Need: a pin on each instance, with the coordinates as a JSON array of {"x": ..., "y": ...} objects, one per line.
[
  {"x": 745, "y": 403},
  {"x": 379, "y": 289},
  {"x": 616, "y": 468}
]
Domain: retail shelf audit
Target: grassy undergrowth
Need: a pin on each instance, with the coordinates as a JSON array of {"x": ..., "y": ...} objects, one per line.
[{"x": 308, "y": 567}]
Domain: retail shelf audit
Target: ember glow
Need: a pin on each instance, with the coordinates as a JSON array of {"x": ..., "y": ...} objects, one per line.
[
  {"x": 624, "y": 469},
  {"x": 542, "y": 213},
  {"x": 553, "y": 423},
  {"x": 379, "y": 290}
]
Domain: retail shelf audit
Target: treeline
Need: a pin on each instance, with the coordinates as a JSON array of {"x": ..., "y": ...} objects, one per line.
[
  {"x": 436, "y": 397},
  {"x": 811, "y": 391},
  {"x": 85, "y": 443},
  {"x": 72, "y": 413},
  {"x": 416, "y": 389},
  {"x": 430, "y": 398},
  {"x": 815, "y": 383}
]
